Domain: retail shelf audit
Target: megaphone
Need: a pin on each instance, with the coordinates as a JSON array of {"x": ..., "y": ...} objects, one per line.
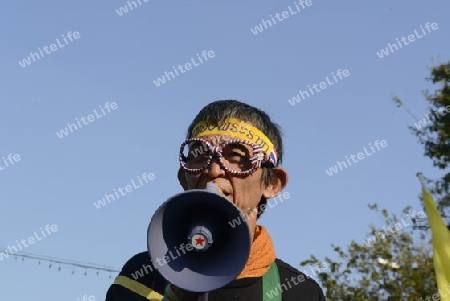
[{"x": 193, "y": 233}]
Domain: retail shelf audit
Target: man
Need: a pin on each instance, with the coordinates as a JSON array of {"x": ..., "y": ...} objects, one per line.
[{"x": 237, "y": 148}]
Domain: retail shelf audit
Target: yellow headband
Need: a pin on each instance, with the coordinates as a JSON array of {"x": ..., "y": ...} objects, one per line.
[{"x": 236, "y": 128}]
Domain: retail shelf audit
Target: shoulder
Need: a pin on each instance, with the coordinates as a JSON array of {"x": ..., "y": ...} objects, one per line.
[
  {"x": 138, "y": 268},
  {"x": 296, "y": 284}
]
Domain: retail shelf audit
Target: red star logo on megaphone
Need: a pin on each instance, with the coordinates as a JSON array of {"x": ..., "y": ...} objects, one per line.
[{"x": 198, "y": 241}]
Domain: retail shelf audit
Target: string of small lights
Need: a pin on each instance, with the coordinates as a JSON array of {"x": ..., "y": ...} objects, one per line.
[{"x": 58, "y": 262}]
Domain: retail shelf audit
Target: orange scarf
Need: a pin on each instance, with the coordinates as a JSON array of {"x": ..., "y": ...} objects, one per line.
[{"x": 262, "y": 255}]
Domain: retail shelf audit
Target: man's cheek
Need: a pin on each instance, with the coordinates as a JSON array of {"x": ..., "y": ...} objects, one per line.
[{"x": 192, "y": 182}]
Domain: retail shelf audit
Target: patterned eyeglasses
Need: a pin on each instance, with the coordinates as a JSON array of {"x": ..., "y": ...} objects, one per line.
[{"x": 237, "y": 157}]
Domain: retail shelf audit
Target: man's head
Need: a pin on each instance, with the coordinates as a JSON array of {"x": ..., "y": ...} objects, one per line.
[{"x": 225, "y": 120}]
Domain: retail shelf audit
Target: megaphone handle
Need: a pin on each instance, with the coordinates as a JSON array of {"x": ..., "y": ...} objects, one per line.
[{"x": 202, "y": 297}]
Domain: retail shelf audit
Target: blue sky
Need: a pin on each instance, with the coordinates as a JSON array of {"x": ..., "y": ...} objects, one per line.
[{"x": 117, "y": 58}]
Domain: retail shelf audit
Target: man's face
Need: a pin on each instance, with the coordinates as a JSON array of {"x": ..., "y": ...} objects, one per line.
[{"x": 244, "y": 191}]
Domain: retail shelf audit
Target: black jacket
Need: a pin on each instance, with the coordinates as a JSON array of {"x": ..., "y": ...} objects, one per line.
[{"x": 295, "y": 286}]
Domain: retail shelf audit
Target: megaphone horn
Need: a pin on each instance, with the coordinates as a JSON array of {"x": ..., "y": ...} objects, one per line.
[{"x": 192, "y": 234}]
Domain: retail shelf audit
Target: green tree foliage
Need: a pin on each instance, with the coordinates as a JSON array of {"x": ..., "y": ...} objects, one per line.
[
  {"x": 394, "y": 262},
  {"x": 433, "y": 131}
]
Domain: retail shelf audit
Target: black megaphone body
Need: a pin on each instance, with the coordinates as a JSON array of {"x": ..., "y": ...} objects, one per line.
[{"x": 194, "y": 235}]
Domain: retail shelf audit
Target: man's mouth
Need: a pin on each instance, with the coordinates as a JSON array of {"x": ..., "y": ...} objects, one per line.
[
  {"x": 227, "y": 193},
  {"x": 225, "y": 188}
]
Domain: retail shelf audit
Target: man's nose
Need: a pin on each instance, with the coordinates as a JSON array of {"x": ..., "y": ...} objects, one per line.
[{"x": 214, "y": 169}]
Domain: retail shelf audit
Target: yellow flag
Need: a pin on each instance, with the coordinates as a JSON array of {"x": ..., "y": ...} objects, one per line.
[{"x": 441, "y": 242}]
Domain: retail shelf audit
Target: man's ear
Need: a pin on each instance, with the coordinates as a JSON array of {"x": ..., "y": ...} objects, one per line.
[
  {"x": 182, "y": 178},
  {"x": 280, "y": 180}
]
